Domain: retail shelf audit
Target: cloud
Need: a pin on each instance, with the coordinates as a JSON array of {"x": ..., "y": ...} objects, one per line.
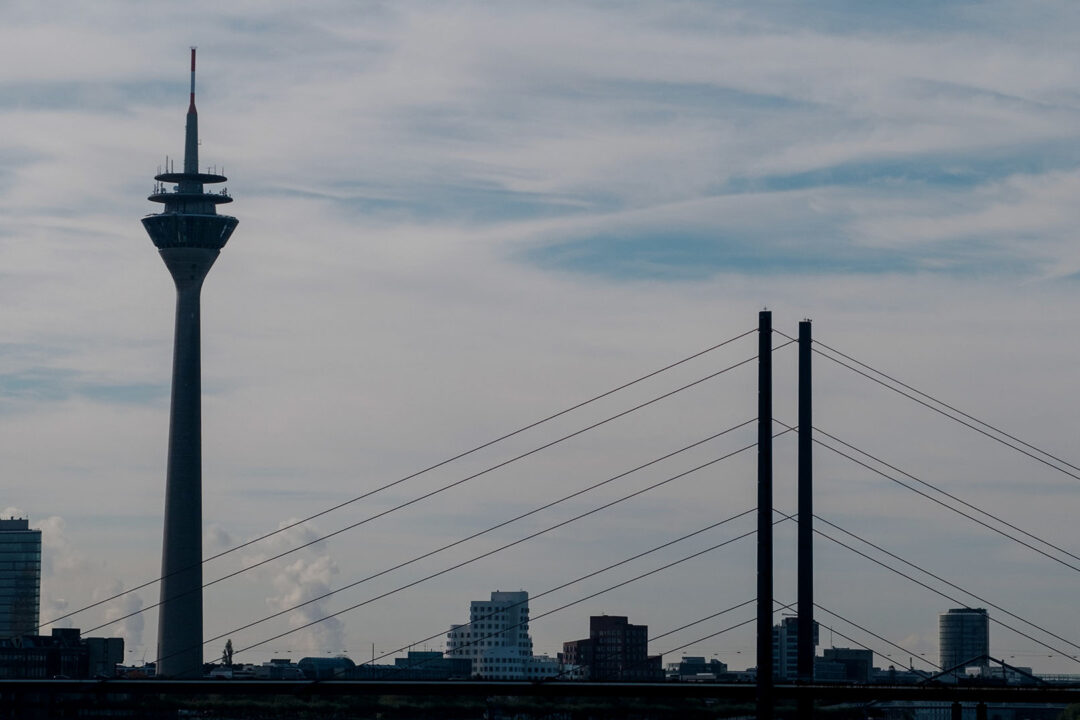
[
  {"x": 40, "y": 385},
  {"x": 454, "y": 220},
  {"x": 54, "y": 608},
  {"x": 216, "y": 539},
  {"x": 298, "y": 580},
  {"x": 58, "y": 554},
  {"x": 301, "y": 581},
  {"x": 129, "y": 608}
]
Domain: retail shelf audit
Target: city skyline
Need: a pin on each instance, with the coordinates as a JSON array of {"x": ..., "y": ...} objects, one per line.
[
  {"x": 964, "y": 635},
  {"x": 495, "y": 640},
  {"x": 464, "y": 219}
]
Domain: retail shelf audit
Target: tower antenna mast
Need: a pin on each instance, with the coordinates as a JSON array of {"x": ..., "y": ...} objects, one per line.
[{"x": 189, "y": 234}]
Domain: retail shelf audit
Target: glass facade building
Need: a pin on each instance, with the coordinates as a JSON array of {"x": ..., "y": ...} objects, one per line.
[
  {"x": 20, "y": 578},
  {"x": 964, "y": 638}
]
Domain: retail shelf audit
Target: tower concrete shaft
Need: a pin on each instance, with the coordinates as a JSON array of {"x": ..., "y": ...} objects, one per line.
[{"x": 189, "y": 234}]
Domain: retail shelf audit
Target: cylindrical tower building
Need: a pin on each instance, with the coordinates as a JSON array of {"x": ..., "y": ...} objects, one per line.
[
  {"x": 189, "y": 234},
  {"x": 964, "y": 638}
]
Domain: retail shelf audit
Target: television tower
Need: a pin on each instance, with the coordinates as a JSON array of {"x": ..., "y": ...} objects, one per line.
[{"x": 189, "y": 234}]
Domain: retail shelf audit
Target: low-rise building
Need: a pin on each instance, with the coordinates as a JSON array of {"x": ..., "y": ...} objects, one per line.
[
  {"x": 63, "y": 654},
  {"x": 539, "y": 667},
  {"x": 326, "y": 668},
  {"x": 696, "y": 669},
  {"x": 853, "y": 664},
  {"x": 615, "y": 651}
]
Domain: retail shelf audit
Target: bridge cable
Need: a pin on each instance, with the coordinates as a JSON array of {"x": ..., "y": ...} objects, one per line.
[
  {"x": 954, "y": 418},
  {"x": 425, "y": 470},
  {"x": 486, "y": 530},
  {"x": 950, "y": 407},
  {"x": 950, "y": 507},
  {"x": 546, "y": 592},
  {"x": 552, "y": 678},
  {"x": 947, "y": 494},
  {"x": 706, "y": 619},
  {"x": 710, "y": 636},
  {"x": 486, "y": 554},
  {"x": 947, "y": 582},
  {"x": 879, "y": 637},
  {"x": 940, "y": 502},
  {"x": 700, "y": 639},
  {"x": 415, "y": 500},
  {"x": 588, "y": 597},
  {"x": 747, "y": 622},
  {"x": 948, "y": 597}
]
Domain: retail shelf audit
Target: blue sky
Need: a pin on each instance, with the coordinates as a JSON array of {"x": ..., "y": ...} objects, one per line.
[{"x": 459, "y": 217}]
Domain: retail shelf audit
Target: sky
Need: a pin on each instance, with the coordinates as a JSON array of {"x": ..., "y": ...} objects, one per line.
[{"x": 458, "y": 218}]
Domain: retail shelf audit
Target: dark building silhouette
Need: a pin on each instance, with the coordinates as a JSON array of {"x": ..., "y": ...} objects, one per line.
[
  {"x": 785, "y": 644},
  {"x": 691, "y": 669},
  {"x": 326, "y": 668},
  {"x": 20, "y": 578},
  {"x": 615, "y": 651},
  {"x": 577, "y": 656},
  {"x": 189, "y": 234},
  {"x": 417, "y": 665},
  {"x": 845, "y": 665},
  {"x": 64, "y": 653},
  {"x": 964, "y": 638}
]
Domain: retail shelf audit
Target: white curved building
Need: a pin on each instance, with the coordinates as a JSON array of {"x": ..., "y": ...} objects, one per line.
[{"x": 496, "y": 638}]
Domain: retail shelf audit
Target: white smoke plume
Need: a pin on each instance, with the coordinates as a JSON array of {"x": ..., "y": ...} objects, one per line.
[
  {"x": 302, "y": 580},
  {"x": 63, "y": 571},
  {"x": 54, "y": 607},
  {"x": 130, "y": 628},
  {"x": 67, "y": 572},
  {"x": 216, "y": 539},
  {"x": 307, "y": 575},
  {"x": 58, "y": 554}
]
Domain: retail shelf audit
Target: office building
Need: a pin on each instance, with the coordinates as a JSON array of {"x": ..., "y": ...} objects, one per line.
[
  {"x": 615, "y": 651},
  {"x": 496, "y": 638},
  {"x": 64, "y": 653},
  {"x": 845, "y": 665},
  {"x": 576, "y": 659},
  {"x": 20, "y": 578},
  {"x": 964, "y": 638},
  {"x": 539, "y": 667},
  {"x": 785, "y": 640}
]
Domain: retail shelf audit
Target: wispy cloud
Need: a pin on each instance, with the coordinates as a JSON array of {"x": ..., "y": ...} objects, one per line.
[
  {"x": 57, "y": 385},
  {"x": 455, "y": 218}
]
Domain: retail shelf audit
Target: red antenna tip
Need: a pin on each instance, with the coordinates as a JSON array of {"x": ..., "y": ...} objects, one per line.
[{"x": 191, "y": 104}]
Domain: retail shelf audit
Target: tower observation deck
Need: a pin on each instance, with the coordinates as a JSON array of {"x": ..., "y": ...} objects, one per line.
[{"x": 189, "y": 234}]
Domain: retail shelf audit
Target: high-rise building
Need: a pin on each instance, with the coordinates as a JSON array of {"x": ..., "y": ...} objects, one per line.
[
  {"x": 496, "y": 638},
  {"x": 785, "y": 655},
  {"x": 964, "y": 638},
  {"x": 615, "y": 651},
  {"x": 189, "y": 234},
  {"x": 20, "y": 578}
]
